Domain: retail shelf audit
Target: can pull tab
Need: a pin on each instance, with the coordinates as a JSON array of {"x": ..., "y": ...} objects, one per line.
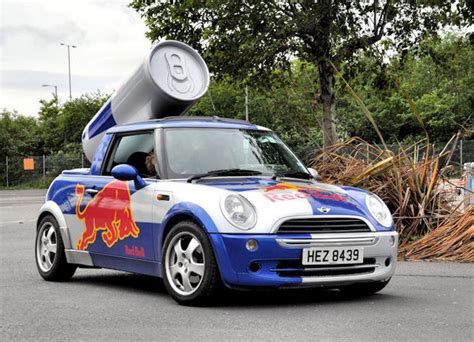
[{"x": 178, "y": 79}]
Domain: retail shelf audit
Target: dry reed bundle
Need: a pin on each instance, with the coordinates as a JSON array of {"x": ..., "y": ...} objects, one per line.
[
  {"x": 453, "y": 240},
  {"x": 407, "y": 179}
]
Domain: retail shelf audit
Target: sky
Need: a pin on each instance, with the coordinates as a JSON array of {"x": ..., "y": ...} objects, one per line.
[{"x": 110, "y": 40}]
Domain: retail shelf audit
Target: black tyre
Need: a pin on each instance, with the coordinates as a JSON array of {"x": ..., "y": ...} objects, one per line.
[
  {"x": 49, "y": 252},
  {"x": 364, "y": 289},
  {"x": 188, "y": 266}
]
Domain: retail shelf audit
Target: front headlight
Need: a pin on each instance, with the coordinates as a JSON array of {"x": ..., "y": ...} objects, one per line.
[
  {"x": 239, "y": 212},
  {"x": 379, "y": 210}
]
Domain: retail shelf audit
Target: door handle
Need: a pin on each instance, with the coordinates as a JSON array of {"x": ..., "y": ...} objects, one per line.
[
  {"x": 92, "y": 192},
  {"x": 162, "y": 197}
]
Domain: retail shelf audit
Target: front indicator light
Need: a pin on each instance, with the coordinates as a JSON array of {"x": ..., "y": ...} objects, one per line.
[
  {"x": 392, "y": 240},
  {"x": 251, "y": 245}
]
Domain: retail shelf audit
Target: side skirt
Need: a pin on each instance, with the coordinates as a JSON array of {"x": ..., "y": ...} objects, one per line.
[
  {"x": 84, "y": 258},
  {"x": 127, "y": 264},
  {"x": 78, "y": 257}
]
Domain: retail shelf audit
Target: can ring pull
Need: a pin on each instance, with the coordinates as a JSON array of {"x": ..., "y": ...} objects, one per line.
[{"x": 178, "y": 79}]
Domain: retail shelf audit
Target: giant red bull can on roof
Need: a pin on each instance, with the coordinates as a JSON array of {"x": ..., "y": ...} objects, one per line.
[{"x": 170, "y": 80}]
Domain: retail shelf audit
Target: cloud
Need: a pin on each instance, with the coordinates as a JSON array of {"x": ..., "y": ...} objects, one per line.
[
  {"x": 22, "y": 89},
  {"x": 110, "y": 39},
  {"x": 32, "y": 79},
  {"x": 42, "y": 35}
]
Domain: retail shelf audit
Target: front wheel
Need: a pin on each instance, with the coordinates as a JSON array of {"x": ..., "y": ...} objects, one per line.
[
  {"x": 189, "y": 267},
  {"x": 364, "y": 289},
  {"x": 49, "y": 252}
]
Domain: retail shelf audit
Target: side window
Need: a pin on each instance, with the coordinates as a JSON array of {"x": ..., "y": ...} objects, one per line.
[{"x": 136, "y": 150}]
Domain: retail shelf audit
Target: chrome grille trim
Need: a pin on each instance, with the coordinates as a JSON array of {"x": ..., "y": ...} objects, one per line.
[
  {"x": 323, "y": 217},
  {"x": 322, "y": 224},
  {"x": 327, "y": 242},
  {"x": 329, "y": 268}
]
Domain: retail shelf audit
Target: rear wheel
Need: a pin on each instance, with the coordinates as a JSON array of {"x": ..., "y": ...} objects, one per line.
[
  {"x": 364, "y": 289},
  {"x": 189, "y": 267},
  {"x": 49, "y": 252}
]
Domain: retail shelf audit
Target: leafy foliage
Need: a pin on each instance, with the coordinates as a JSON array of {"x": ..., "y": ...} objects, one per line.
[
  {"x": 77, "y": 113},
  {"x": 285, "y": 107},
  {"x": 438, "y": 79},
  {"x": 290, "y": 108},
  {"x": 58, "y": 127},
  {"x": 61, "y": 125},
  {"x": 249, "y": 40},
  {"x": 18, "y": 134}
]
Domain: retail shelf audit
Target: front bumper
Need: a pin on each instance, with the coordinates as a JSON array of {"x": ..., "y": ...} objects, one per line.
[{"x": 278, "y": 258}]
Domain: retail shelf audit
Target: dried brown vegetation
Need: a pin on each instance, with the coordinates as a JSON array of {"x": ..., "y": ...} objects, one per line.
[
  {"x": 453, "y": 240},
  {"x": 409, "y": 180}
]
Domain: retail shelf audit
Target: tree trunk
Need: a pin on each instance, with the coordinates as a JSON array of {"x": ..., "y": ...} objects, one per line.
[{"x": 326, "y": 82}]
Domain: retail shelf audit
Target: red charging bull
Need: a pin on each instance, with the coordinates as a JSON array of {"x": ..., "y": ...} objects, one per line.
[
  {"x": 170, "y": 80},
  {"x": 109, "y": 211}
]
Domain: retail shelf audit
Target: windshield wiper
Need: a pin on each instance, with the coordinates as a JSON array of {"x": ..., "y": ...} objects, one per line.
[
  {"x": 295, "y": 174},
  {"x": 225, "y": 172}
]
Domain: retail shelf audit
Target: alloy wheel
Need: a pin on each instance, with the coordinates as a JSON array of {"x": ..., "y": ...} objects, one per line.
[
  {"x": 46, "y": 247},
  {"x": 185, "y": 263}
]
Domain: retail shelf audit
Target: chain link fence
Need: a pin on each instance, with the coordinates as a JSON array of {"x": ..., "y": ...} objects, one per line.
[{"x": 39, "y": 171}]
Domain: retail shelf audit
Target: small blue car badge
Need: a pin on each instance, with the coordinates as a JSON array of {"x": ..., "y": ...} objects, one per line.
[{"x": 324, "y": 210}]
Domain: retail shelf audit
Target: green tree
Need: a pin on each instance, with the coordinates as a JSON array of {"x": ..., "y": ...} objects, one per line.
[
  {"x": 292, "y": 92},
  {"x": 77, "y": 113},
  {"x": 51, "y": 134},
  {"x": 254, "y": 38},
  {"x": 438, "y": 77},
  {"x": 62, "y": 124},
  {"x": 18, "y": 135}
]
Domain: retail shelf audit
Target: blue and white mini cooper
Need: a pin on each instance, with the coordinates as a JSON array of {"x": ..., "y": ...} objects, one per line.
[{"x": 202, "y": 202}]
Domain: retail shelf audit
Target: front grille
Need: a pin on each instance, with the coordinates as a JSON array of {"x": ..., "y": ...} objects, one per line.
[
  {"x": 294, "y": 268},
  {"x": 315, "y": 225}
]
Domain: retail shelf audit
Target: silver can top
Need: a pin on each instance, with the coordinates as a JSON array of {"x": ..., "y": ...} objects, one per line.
[{"x": 178, "y": 70}]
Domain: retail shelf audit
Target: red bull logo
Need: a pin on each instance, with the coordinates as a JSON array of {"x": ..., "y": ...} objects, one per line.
[
  {"x": 135, "y": 251},
  {"x": 299, "y": 192},
  {"x": 285, "y": 186},
  {"x": 109, "y": 211}
]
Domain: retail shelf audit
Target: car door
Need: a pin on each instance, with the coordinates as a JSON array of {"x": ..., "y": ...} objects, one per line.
[{"x": 113, "y": 217}]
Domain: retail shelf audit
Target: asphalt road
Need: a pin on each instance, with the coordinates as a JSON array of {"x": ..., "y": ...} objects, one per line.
[{"x": 424, "y": 301}]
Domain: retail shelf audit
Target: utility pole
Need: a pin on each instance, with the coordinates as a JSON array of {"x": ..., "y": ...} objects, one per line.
[
  {"x": 69, "y": 65},
  {"x": 7, "y": 169},
  {"x": 246, "y": 104},
  {"x": 55, "y": 89},
  {"x": 44, "y": 168}
]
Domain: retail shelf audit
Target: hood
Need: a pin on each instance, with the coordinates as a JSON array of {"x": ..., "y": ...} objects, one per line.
[
  {"x": 285, "y": 193},
  {"x": 274, "y": 201}
]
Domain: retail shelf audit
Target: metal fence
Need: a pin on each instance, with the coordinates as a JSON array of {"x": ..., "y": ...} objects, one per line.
[
  {"x": 462, "y": 153},
  {"x": 40, "y": 170},
  {"x": 37, "y": 171}
]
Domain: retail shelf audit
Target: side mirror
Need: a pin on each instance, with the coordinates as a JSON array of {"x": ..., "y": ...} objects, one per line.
[
  {"x": 125, "y": 172},
  {"x": 313, "y": 173}
]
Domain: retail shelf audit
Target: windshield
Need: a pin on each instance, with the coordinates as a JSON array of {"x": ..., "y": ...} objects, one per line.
[{"x": 191, "y": 151}]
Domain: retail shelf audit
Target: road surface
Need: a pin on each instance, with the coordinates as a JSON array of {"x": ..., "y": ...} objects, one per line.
[{"x": 424, "y": 301}]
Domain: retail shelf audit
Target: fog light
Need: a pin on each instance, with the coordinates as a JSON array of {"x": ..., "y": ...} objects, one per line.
[
  {"x": 387, "y": 262},
  {"x": 251, "y": 245},
  {"x": 254, "y": 267},
  {"x": 392, "y": 240}
]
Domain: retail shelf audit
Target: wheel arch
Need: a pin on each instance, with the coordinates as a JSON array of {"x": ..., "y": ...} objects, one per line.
[
  {"x": 51, "y": 208},
  {"x": 184, "y": 211}
]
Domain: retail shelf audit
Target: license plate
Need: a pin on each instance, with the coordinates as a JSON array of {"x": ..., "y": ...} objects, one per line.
[{"x": 332, "y": 256}]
